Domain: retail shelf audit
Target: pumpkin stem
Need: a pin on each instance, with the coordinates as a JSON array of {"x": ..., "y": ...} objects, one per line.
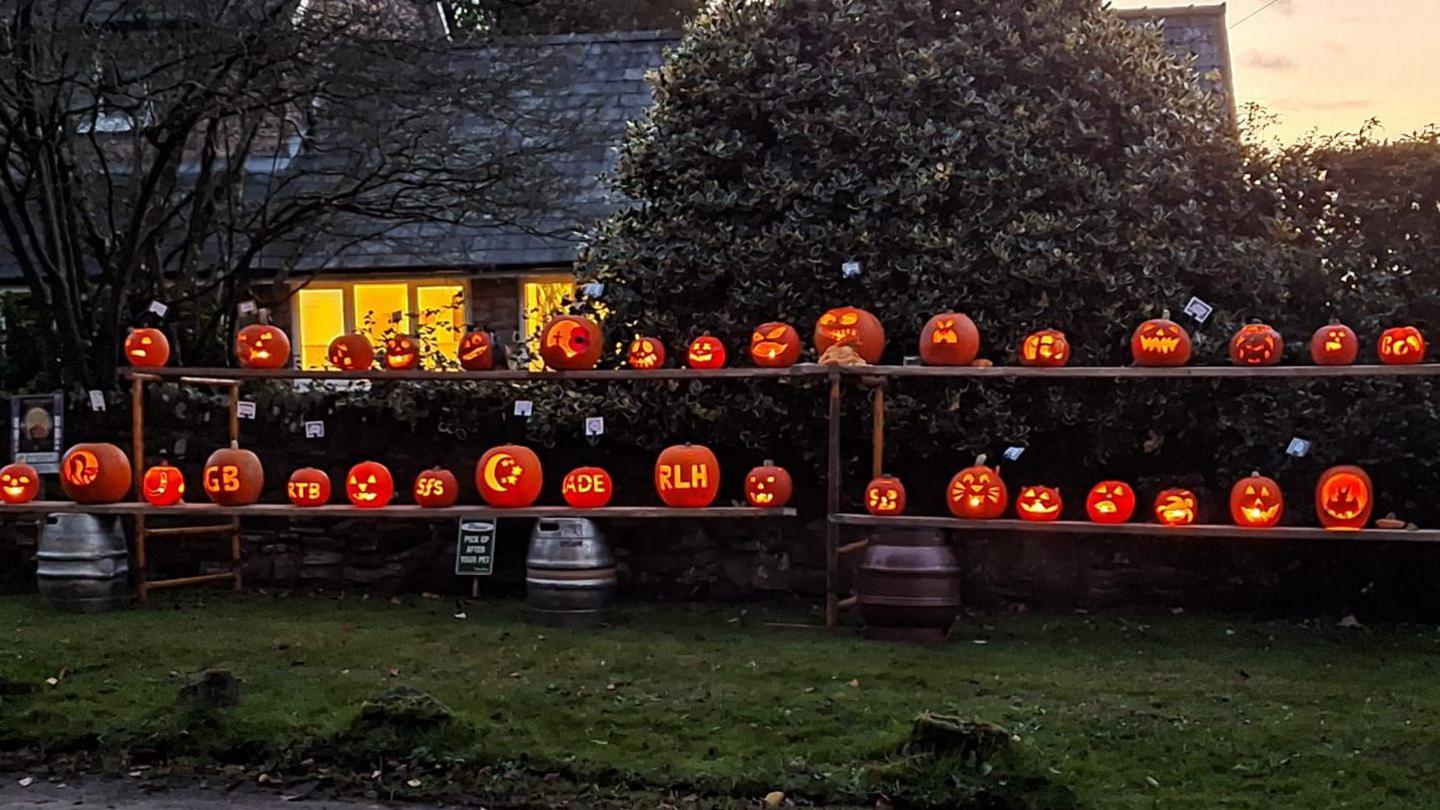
[
  {"x": 234, "y": 444},
  {"x": 1165, "y": 314},
  {"x": 768, "y": 463},
  {"x": 980, "y": 460}
]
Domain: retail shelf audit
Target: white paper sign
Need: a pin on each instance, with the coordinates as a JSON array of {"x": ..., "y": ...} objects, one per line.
[
  {"x": 159, "y": 309},
  {"x": 524, "y": 407},
  {"x": 315, "y": 430},
  {"x": 1014, "y": 453},
  {"x": 594, "y": 426},
  {"x": 97, "y": 400},
  {"x": 594, "y": 289},
  {"x": 1299, "y": 448},
  {"x": 246, "y": 308},
  {"x": 1199, "y": 310},
  {"x": 850, "y": 269},
  {"x": 245, "y": 409}
]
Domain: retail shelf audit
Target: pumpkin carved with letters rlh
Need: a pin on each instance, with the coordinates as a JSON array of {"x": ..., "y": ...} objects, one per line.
[
  {"x": 706, "y": 352},
  {"x": 977, "y": 493},
  {"x": 587, "y": 488},
  {"x": 768, "y": 486},
  {"x": 646, "y": 354},
  {"x": 1047, "y": 348},
  {"x": 570, "y": 342},
  {"x": 232, "y": 476},
  {"x": 1401, "y": 346},
  {"x": 476, "y": 351},
  {"x": 1256, "y": 502},
  {"x": 147, "y": 348},
  {"x": 351, "y": 352},
  {"x": 509, "y": 476},
  {"x": 885, "y": 496},
  {"x": 1039, "y": 504},
  {"x": 436, "y": 488},
  {"x": 775, "y": 345},
  {"x": 402, "y": 353},
  {"x": 162, "y": 485},
  {"x": 949, "y": 339},
  {"x": 1110, "y": 502},
  {"x": 1160, "y": 342},
  {"x": 308, "y": 487},
  {"x": 1344, "y": 498},
  {"x": 369, "y": 485},
  {"x": 853, "y": 327},
  {"x": 687, "y": 475},
  {"x": 19, "y": 483},
  {"x": 1334, "y": 344},
  {"x": 1176, "y": 507},
  {"x": 1256, "y": 344},
  {"x": 261, "y": 345},
  {"x": 95, "y": 473}
]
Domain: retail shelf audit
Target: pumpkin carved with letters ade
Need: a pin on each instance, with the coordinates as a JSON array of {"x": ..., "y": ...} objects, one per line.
[
  {"x": 571, "y": 342},
  {"x": 436, "y": 488},
  {"x": 261, "y": 345},
  {"x": 308, "y": 487},
  {"x": 162, "y": 485},
  {"x": 95, "y": 473},
  {"x": 775, "y": 345},
  {"x": 369, "y": 485},
  {"x": 1176, "y": 507},
  {"x": 1047, "y": 348},
  {"x": 1160, "y": 342},
  {"x": 977, "y": 493},
  {"x": 147, "y": 348},
  {"x": 768, "y": 486},
  {"x": 1039, "y": 504},
  {"x": 1402, "y": 346},
  {"x": 949, "y": 339},
  {"x": 1110, "y": 502},
  {"x": 509, "y": 476},
  {"x": 1334, "y": 344},
  {"x": 646, "y": 353},
  {"x": 853, "y": 327},
  {"x": 19, "y": 483},
  {"x": 1344, "y": 498},
  {"x": 1256, "y": 502},
  {"x": 687, "y": 476},
  {"x": 233, "y": 477},
  {"x": 351, "y": 353},
  {"x": 885, "y": 496},
  {"x": 587, "y": 488},
  {"x": 1256, "y": 344}
]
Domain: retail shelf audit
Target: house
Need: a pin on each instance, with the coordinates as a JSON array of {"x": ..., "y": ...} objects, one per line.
[{"x": 509, "y": 276}]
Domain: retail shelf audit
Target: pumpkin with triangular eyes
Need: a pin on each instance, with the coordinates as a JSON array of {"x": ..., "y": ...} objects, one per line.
[
  {"x": 351, "y": 352},
  {"x": 768, "y": 486},
  {"x": 476, "y": 351},
  {"x": 949, "y": 339},
  {"x": 1334, "y": 344},
  {"x": 1039, "y": 504},
  {"x": 1256, "y": 344},
  {"x": 1256, "y": 502},
  {"x": 775, "y": 345},
  {"x": 1176, "y": 507},
  {"x": 1160, "y": 342},
  {"x": 977, "y": 493},
  {"x": 369, "y": 485},
  {"x": 853, "y": 327},
  {"x": 646, "y": 353},
  {"x": 1110, "y": 502},
  {"x": 147, "y": 348},
  {"x": 19, "y": 483},
  {"x": 402, "y": 353},
  {"x": 885, "y": 496},
  {"x": 261, "y": 345}
]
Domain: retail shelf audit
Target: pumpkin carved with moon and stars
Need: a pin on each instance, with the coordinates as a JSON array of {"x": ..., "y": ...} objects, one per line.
[
  {"x": 949, "y": 339},
  {"x": 261, "y": 345},
  {"x": 853, "y": 327},
  {"x": 19, "y": 483},
  {"x": 571, "y": 342},
  {"x": 775, "y": 345},
  {"x": 509, "y": 476}
]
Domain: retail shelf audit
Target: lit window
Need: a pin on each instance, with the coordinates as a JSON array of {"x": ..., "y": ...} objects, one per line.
[
  {"x": 321, "y": 316},
  {"x": 442, "y": 317},
  {"x": 543, "y": 298},
  {"x": 432, "y": 310},
  {"x": 381, "y": 309}
]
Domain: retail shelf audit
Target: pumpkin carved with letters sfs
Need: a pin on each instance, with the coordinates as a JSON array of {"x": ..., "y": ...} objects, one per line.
[
  {"x": 261, "y": 345},
  {"x": 162, "y": 485},
  {"x": 95, "y": 473},
  {"x": 853, "y": 327},
  {"x": 885, "y": 495},
  {"x": 436, "y": 488},
  {"x": 147, "y": 348},
  {"x": 949, "y": 339},
  {"x": 1401, "y": 346},
  {"x": 308, "y": 487},
  {"x": 775, "y": 345},
  {"x": 1256, "y": 502},
  {"x": 19, "y": 483},
  {"x": 1039, "y": 504},
  {"x": 1334, "y": 344},
  {"x": 1160, "y": 342},
  {"x": 977, "y": 493},
  {"x": 687, "y": 475},
  {"x": 570, "y": 342},
  {"x": 232, "y": 476},
  {"x": 509, "y": 476},
  {"x": 587, "y": 488},
  {"x": 351, "y": 352}
]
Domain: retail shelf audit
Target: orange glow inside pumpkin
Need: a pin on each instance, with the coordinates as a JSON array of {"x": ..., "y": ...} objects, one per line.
[
  {"x": 221, "y": 478},
  {"x": 1160, "y": 338},
  {"x": 1176, "y": 507},
  {"x": 1038, "y": 503},
  {"x": 643, "y": 354},
  {"x": 82, "y": 468},
  {"x": 1344, "y": 496},
  {"x": 883, "y": 498},
  {"x": 976, "y": 489}
]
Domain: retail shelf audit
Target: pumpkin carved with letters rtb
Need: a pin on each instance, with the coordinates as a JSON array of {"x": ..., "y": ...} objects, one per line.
[
  {"x": 687, "y": 475},
  {"x": 308, "y": 487},
  {"x": 509, "y": 476},
  {"x": 95, "y": 473},
  {"x": 233, "y": 477}
]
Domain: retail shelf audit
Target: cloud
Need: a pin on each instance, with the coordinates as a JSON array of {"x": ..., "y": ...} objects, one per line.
[{"x": 1265, "y": 61}]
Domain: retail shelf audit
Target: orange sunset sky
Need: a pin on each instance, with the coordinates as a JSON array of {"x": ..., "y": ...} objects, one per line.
[{"x": 1329, "y": 65}]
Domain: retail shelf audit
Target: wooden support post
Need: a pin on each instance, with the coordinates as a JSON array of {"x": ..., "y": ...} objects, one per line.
[
  {"x": 237, "y": 545},
  {"x": 832, "y": 506},
  {"x": 235, "y": 411},
  {"x": 137, "y": 472},
  {"x": 877, "y": 430},
  {"x": 141, "y": 561}
]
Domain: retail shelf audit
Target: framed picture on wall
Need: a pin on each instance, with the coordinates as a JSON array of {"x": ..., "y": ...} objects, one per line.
[{"x": 37, "y": 430}]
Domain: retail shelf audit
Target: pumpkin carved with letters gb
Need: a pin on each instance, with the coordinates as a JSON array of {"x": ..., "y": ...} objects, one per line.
[{"x": 233, "y": 477}]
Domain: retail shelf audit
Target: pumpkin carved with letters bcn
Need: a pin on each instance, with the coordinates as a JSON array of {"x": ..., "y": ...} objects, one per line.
[
  {"x": 1110, "y": 502},
  {"x": 436, "y": 488},
  {"x": 571, "y": 342},
  {"x": 587, "y": 488},
  {"x": 1334, "y": 344},
  {"x": 768, "y": 486},
  {"x": 261, "y": 345},
  {"x": 308, "y": 487},
  {"x": 687, "y": 475},
  {"x": 509, "y": 476},
  {"x": 19, "y": 483},
  {"x": 233, "y": 477},
  {"x": 369, "y": 485},
  {"x": 476, "y": 351},
  {"x": 1256, "y": 344},
  {"x": 1176, "y": 507},
  {"x": 1039, "y": 504},
  {"x": 351, "y": 353},
  {"x": 977, "y": 493},
  {"x": 1402, "y": 346},
  {"x": 1344, "y": 498},
  {"x": 646, "y": 353},
  {"x": 885, "y": 496},
  {"x": 775, "y": 345},
  {"x": 706, "y": 352},
  {"x": 1256, "y": 502},
  {"x": 95, "y": 473},
  {"x": 147, "y": 348},
  {"x": 949, "y": 339},
  {"x": 162, "y": 485},
  {"x": 1160, "y": 342},
  {"x": 1047, "y": 348},
  {"x": 853, "y": 327}
]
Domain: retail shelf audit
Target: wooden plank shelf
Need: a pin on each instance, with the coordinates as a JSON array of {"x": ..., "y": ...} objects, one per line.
[
  {"x": 228, "y": 375},
  {"x": 1081, "y": 527},
  {"x": 1139, "y": 372},
  {"x": 395, "y": 512}
]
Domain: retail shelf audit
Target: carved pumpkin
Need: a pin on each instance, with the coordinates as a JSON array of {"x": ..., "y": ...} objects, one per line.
[
  {"x": 19, "y": 483},
  {"x": 369, "y": 485},
  {"x": 162, "y": 485},
  {"x": 849, "y": 326},
  {"x": 476, "y": 351},
  {"x": 509, "y": 476},
  {"x": 1048, "y": 347},
  {"x": 1256, "y": 344},
  {"x": 646, "y": 353},
  {"x": 1344, "y": 498},
  {"x": 587, "y": 488},
  {"x": 261, "y": 345},
  {"x": 308, "y": 487},
  {"x": 436, "y": 488},
  {"x": 1334, "y": 345},
  {"x": 1039, "y": 504},
  {"x": 1160, "y": 342},
  {"x": 775, "y": 345},
  {"x": 95, "y": 473},
  {"x": 1402, "y": 346},
  {"x": 885, "y": 496},
  {"x": 687, "y": 475},
  {"x": 977, "y": 493},
  {"x": 147, "y": 348},
  {"x": 1176, "y": 507},
  {"x": 1110, "y": 502},
  {"x": 705, "y": 352},
  {"x": 233, "y": 477},
  {"x": 768, "y": 486},
  {"x": 949, "y": 339},
  {"x": 571, "y": 342},
  {"x": 402, "y": 353},
  {"x": 351, "y": 353},
  {"x": 1256, "y": 502}
]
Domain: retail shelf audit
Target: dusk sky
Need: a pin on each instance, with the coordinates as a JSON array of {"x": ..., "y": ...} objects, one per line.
[{"x": 1329, "y": 65}]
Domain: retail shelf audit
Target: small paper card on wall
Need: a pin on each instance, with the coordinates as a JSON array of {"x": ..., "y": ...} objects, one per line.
[
  {"x": 245, "y": 409},
  {"x": 595, "y": 426},
  {"x": 1199, "y": 310},
  {"x": 1014, "y": 453},
  {"x": 97, "y": 400},
  {"x": 315, "y": 430},
  {"x": 1299, "y": 448},
  {"x": 524, "y": 407},
  {"x": 850, "y": 269},
  {"x": 246, "y": 308},
  {"x": 158, "y": 308},
  {"x": 594, "y": 289}
]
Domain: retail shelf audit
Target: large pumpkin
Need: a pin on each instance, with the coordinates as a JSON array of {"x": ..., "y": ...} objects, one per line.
[
  {"x": 402, "y": 353},
  {"x": 949, "y": 339},
  {"x": 775, "y": 345},
  {"x": 1047, "y": 347},
  {"x": 369, "y": 485},
  {"x": 849, "y": 326},
  {"x": 1256, "y": 502},
  {"x": 977, "y": 493},
  {"x": 1110, "y": 502},
  {"x": 1039, "y": 504},
  {"x": 1256, "y": 344},
  {"x": 571, "y": 342},
  {"x": 705, "y": 352},
  {"x": 147, "y": 348},
  {"x": 308, "y": 487},
  {"x": 476, "y": 351},
  {"x": 351, "y": 352},
  {"x": 1160, "y": 342},
  {"x": 436, "y": 488},
  {"x": 1344, "y": 498},
  {"x": 587, "y": 488},
  {"x": 687, "y": 476},
  {"x": 509, "y": 476},
  {"x": 885, "y": 496},
  {"x": 162, "y": 485},
  {"x": 1176, "y": 507},
  {"x": 233, "y": 477},
  {"x": 1334, "y": 344},
  {"x": 19, "y": 483},
  {"x": 768, "y": 486},
  {"x": 1401, "y": 346},
  {"x": 261, "y": 345},
  {"x": 95, "y": 473},
  {"x": 646, "y": 353}
]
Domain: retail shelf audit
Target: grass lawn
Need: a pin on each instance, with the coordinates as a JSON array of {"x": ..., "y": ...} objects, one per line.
[{"x": 1132, "y": 711}]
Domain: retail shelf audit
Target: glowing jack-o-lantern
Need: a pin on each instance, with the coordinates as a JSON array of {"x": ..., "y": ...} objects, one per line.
[
  {"x": 1176, "y": 507},
  {"x": 402, "y": 353},
  {"x": 1344, "y": 498},
  {"x": 587, "y": 488},
  {"x": 646, "y": 354},
  {"x": 1110, "y": 502},
  {"x": 436, "y": 488},
  {"x": 261, "y": 345},
  {"x": 977, "y": 493},
  {"x": 705, "y": 352},
  {"x": 509, "y": 476},
  {"x": 1401, "y": 346},
  {"x": 19, "y": 483},
  {"x": 232, "y": 476},
  {"x": 1334, "y": 344},
  {"x": 1256, "y": 502},
  {"x": 768, "y": 486},
  {"x": 885, "y": 496},
  {"x": 147, "y": 348},
  {"x": 369, "y": 485},
  {"x": 1048, "y": 348},
  {"x": 476, "y": 351},
  {"x": 849, "y": 326},
  {"x": 1039, "y": 504},
  {"x": 571, "y": 342},
  {"x": 775, "y": 345},
  {"x": 351, "y": 353},
  {"x": 1160, "y": 342},
  {"x": 687, "y": 475},
  {"x": 308, "y": 487},
  {"x": 1256, "y": 344},
  {"x": 949, "y": 339},
  {"x": 95, "y": 473},
  {"x": 162, "y": 485}
]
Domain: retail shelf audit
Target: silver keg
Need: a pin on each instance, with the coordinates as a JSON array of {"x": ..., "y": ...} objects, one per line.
[
  {"x": 570, "y": 575},
  {"x": 83, "y": 564}
]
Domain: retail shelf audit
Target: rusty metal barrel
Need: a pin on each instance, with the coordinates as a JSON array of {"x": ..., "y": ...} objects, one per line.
[
  {"x": 83, "y": 564},
  {"x": 908, "y": 586},
  {"x": 570, "y": 576}
]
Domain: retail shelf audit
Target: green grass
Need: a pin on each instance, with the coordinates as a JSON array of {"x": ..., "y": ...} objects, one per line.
[{"x": 1129, "y": 712}]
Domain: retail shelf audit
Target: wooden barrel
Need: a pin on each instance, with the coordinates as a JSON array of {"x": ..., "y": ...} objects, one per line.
[
  {"x": 83, "y": 564},
  {"x": 570, "y": 576},
  {"x": 908, "y": 586}
]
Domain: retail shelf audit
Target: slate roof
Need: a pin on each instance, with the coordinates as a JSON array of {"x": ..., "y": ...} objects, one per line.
[{"x": 1199, "y": 32}]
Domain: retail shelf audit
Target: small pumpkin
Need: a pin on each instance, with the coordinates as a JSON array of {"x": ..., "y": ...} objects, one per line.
[
  {"x": 19, "y": 483},
  {"x": 768, "y": 486},
  {"x": 775, "y": 345},
  {"x": 1256, "y": 344},
  {"x": 1256, "y": 502},
  {"x": 1401, "y": 346},
  {"x": 1160, "y": 342},
  {"x": 261, "y": 345},
  {"x": 402, "y": 353},
  {"x": 308, "y": 487},
  {"x": 162, "y": 485},
  {"x": 1110, "y": 502},
  {"x": 147, "y": 347},
  {"x": 1176, "y": 507},
  {"x": 705, "y": 352},
  {"x": 233, "y": 477},
  {"x": 369, "y": 485},
  {"x": 436, "y": 488},
  {"x": 853, "y": 327},
  {"x": 1334, "y": 344},
  {"x": 351, "y": 352},
  {"x": 476, "y": 351},
  {"x": 1047, "y": 348},
  {"x": 95, "y": 473},
  {"x": 646, "y": 354},
  {"x": 885, "y": 495},
  {"x": 949, "y": 339},
  {"x": 570, "y": 342},
  {"x": 977, "y": 493},
  {"x": 687, "y": 476},
  {"x": 1039, "y": 504},
  {"x": 587, "y": 488},
  {"x": 509, "y": 476},
  {"x": 1344, "y": 498}
]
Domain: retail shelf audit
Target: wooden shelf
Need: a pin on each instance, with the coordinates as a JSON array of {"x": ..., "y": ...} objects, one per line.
[
  {"x": 213, "y": 375},
  {"x": 1139, "y": 372},
  {"x": 396, "y": 512},
  {"x": 1081, "y": 527}
]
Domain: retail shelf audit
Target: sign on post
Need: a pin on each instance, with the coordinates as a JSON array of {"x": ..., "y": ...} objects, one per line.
[
  {"x": 475, "y": 548},
  {"x": 37, "y": 430}
]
